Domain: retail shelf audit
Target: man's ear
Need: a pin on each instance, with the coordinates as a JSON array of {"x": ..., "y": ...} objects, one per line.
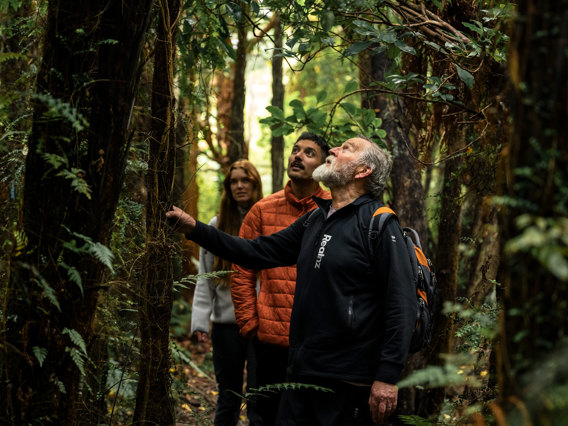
[{"x": 362, "y": 172}]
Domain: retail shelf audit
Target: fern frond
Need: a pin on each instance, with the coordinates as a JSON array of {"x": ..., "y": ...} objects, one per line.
[
  {"x": 40, "y": 354},
  {"x": 76, "y": 338},
  {"x": 192, "y": 279},
  {"x": 278, "y": 387},
  {"x": 103, "y": 254},
  {"x": 21, "y": 242},
  {"x": 48, "y": 292},
  {"x": 74, "y": 275},
  {"x": 77, "y": 358}
]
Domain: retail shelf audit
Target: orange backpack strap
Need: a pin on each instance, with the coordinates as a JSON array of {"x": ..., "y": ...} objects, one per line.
[
  {"x": 376, "y": 226},
  {"x": 381, "y": 210}
]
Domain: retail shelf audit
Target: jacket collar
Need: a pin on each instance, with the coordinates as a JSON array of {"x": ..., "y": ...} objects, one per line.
[
  {"x": 325, "y": 204},
  {"x": 300, "y": 203}
]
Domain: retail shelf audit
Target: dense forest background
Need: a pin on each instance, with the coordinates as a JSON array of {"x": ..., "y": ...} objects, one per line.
[{"x": 111, "y": 111}]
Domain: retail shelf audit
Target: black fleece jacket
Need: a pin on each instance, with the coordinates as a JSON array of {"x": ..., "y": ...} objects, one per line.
[{"x": 353, "y": 316}]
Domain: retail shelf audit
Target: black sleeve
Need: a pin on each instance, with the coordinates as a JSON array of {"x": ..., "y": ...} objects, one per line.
[
  {"x": 264, "y": 252},
  {"x": 393, "y": 266}
]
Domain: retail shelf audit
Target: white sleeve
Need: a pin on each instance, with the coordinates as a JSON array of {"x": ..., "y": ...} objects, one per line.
[{"x": 203, "y": 297}]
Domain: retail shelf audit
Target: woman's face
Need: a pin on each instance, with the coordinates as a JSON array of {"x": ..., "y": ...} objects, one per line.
[{"x": 241, "y": 187}]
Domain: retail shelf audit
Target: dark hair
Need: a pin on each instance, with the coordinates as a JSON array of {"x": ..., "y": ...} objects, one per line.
[{"x": 318, "y": 140}]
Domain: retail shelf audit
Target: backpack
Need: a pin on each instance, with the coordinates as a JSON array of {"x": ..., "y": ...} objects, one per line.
[{"x": 424, "y": 277}]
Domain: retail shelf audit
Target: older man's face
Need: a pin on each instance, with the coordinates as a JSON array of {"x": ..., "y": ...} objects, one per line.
[{"x": 341, "y": 165}]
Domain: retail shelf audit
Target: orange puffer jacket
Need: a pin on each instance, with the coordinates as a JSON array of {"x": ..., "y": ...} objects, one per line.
[{"x": 268, "y": 315}]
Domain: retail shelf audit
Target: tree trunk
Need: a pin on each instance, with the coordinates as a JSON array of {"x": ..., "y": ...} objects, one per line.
[
  {"x": 237, "y": 148},
  {"x": 446, "y": 261},
  {"x": 154, "y": 404},
  {"x": 277, "y": 145},
  {"x": 74, "y": 172},
  {"x": 532, "y": 351},
  {"x": 408, "y": 195}
]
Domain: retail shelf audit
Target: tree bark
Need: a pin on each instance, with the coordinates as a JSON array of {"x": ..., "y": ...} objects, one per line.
[
  {"x": 237, "y": 148},
  {"x": 277, "y": 144},
  {"x": 154, "y": 404},
  {"x": 47, "y": 305},
  {"x": 534, "y": 324}
]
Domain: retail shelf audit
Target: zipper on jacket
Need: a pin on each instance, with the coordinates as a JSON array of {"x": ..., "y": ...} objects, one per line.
[{"x": 350, "y": 313}]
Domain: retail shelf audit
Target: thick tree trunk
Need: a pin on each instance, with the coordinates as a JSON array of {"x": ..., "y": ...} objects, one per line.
[
  {"x": 154, "y": 404},
  {"x": 277, "y": 145},
  {"x": 50, "y": 308},
  {"x": 532, "y": 351},
  {"x": 237, "y": 148}
]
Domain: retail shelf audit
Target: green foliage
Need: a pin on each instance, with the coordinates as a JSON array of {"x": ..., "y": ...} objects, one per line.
[
  {"x": 59, "y": 110},
  {"x": 456, "y": 371},
  {"x": 279, "y": 387},
  {"x": 79, "y": 352},
  {"x": 40, "y": 354},
  {"x": 545, "y": 239},
  {"x": 99, "y": 251}
]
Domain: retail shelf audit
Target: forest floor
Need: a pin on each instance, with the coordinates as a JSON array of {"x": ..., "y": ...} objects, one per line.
[{"x": 197, "y": 387}]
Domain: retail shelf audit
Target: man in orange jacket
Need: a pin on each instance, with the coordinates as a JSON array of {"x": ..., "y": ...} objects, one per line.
[{"x": 266, "y": 318}]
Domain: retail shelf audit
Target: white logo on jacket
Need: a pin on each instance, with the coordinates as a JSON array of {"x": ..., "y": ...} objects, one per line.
[{"x": 321, "y": 251}]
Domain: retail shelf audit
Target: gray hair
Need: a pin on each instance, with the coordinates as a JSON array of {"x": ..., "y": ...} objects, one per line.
[{"x": 380, "y": 162}]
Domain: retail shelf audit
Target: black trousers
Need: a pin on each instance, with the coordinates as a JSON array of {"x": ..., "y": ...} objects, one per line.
[
  {"x": 271, "y": 365},
  {"x": 230, "y": 351},
  {"x": 347, "y": 405}
]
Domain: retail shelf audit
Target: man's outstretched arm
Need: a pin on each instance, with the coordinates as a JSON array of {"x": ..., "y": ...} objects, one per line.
[{"x": 279, "y": 249}]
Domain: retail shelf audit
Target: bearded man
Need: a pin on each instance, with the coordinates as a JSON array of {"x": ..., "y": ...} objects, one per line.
[{"x": 353, "y": 315}]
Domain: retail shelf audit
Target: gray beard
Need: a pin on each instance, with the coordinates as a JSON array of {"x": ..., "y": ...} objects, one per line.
[{"x": 332, "y": 176}]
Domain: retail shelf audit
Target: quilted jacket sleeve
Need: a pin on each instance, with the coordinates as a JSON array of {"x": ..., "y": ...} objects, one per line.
[{"x": 243, "y": 281}]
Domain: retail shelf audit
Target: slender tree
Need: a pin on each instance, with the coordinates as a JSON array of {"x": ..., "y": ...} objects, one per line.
[
  {"x": 277, "y": 141},
  {"x": 154, "y": 404},
  {"x": 237, "y": 148}
]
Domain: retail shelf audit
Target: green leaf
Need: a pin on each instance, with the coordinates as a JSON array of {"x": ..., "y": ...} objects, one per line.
[
  {"x": 103, "y": 254},
  {"x": 355, "y": 48},
  {"x": 351, "y": 86},
  {"x": 48, "y": 292},
  {"x": 76, "y": 338},
  {"x": 349, "y": 107},
  {"x": 74, "y": 275},
  {"x": 275, "y": 111},
  {"x": 466, "y": 77},
  {"x": 77, "y": 358},
  {"x": 40, "y": 354},
  {"x": 404, "y": 47},
  {"x": 321, "y": 96},
  {"x": 327, "y": 20}
]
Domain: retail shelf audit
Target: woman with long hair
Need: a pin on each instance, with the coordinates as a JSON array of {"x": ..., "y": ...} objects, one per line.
[{"x": 242, "y": 188}]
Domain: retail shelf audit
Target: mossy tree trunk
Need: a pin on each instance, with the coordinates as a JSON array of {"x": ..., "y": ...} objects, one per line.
[
  {"x": 154, "y": 404},
  {"x": 277, "y": 144},
  {"x": 75, "y": 165}
]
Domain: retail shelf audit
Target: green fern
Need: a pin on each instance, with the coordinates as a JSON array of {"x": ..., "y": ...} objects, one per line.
[
  {"x": 77, "y": 358},
  {"x": 21, "y": 242},
  {"x": 40, "y": 354},
  {"x": 48, "y": 291},
  {"x": 456, "y": 371},
  {"x": 75, "y": 175},
  {"x": 74, "y": 275},
  {"x": 192, "y": 279},
  {"x": 77, "y": 339},
  {"x": 278, "y": 387},
  {"x": 103, "y": 254},
  {"x": 57, "y": 109},
  {"x": 55, "y": 160}
]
